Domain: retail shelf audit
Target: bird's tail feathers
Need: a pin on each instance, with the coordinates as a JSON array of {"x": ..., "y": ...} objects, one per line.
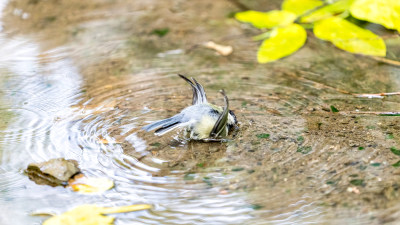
[
  {"x": 164, "y": 126},
  {"x": 155, "y": 125},
  {"x": 165, "y": 129}
]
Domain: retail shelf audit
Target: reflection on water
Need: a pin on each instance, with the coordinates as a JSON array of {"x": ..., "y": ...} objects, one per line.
[
  {"x": 86, "y": 95},
  {"x": 47, "y": 112},
  {"x": 44, "y": 116}
]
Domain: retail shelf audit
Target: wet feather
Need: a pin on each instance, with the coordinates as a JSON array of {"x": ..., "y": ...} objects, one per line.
[{"x": 201, "y": 120}]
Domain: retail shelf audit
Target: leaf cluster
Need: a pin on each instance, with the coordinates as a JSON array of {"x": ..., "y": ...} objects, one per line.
[{"x": 286, "y": 28}]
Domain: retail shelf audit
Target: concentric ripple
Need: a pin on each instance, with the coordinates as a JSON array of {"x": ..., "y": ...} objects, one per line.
[{"x": 88, "y": 98}]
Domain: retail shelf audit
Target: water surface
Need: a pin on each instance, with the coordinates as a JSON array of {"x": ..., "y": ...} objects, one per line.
[{"x": 79, "y": 79}]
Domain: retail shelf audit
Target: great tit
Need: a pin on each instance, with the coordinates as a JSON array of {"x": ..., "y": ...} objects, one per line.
[{"x": 202, "y": 120}]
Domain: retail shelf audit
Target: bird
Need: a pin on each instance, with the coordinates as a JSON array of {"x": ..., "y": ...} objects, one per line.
[{"x": 202, "y": 120}]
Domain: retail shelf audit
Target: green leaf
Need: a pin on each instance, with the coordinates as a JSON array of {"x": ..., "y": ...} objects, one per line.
[
  {"x": 263, "y": 135},
  {"x": 328, "y": 11},
  {"x": 384, "y": 12},
  {"x": 155, "y": 144},
  {"x": 237, "y": 169},
  {"x": 330, "y": 182},
  {"x": 357, "y": 182},
  {"x": 256, "y": 206},
  {"x": 397, "y": 164},
  {"x": 269, "y": 19},
  {"x": 300, "y": 7},
  {"x": 334, "y": 109},
  {"x": 389, "y": 136},
  {"x": 283, "y": 42},
  {"x": 304, "y": 149},
  {"x": 389, "y": 114},
  {"x": 160, "y": 32},
  {"x": 395, "y": 151},
  {"x": 201, "y": 165},
  {"x": 349, "y": 37}
]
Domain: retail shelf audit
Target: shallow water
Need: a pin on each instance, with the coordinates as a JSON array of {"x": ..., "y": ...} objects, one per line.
[{"x": 79, "y": 80}]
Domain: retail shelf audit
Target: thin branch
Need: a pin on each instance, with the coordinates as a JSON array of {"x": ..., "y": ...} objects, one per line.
[
  {"x": 371, "y": 113},
  {"x": 386, "y": 60},
  {"x": 379, "y": 95}
]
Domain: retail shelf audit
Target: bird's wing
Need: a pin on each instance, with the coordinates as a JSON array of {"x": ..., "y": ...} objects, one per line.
[
  {"x": 219, "y": 128},
  {"x": 199, "y": 95}
]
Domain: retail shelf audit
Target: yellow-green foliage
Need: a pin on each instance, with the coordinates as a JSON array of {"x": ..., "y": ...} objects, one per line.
[
  {"x": 330, "y": 24},
  {"x": 384, "y": 12},
  {"x": 282, "y": 42},
  {"x": 299, "y": 7},
  {"x": 349, "y": 37},
  {"x": 327, "y": 11},
  {"x": 274, "y": 18}
]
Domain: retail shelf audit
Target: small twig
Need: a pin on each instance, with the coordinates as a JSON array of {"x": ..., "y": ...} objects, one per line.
[
  {"x": 372, "y": 113},
  {"x": 379, "y": 95},
  {"x": 390, "y": 36},
  {"x": 387, "y": 61}
]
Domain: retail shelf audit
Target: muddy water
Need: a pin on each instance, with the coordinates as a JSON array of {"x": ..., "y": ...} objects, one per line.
[{"x": 80, "y": 78}]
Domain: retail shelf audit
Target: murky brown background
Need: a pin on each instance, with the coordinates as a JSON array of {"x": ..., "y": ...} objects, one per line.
[{"x": 76, "y": 73}]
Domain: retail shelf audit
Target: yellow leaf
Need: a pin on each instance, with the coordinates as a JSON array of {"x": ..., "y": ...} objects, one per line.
[
  {"x": 283, "y": 42},
  {"x": 91, "y": 215},
  {"x": 269, "y": 19},
  {"x": 123, "y": 209},
  {"x": 328, "y": 11},
  {"x": 90, "y": 184},
  {"x": 81, "y": 215},
  {"x": 349, "y": 37},
  {"x": 384, "y": 12},
  {"x": 300, "y": 7}
]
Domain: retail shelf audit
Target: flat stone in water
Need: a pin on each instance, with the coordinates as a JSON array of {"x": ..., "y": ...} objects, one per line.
[{"x": 55, "y": 172}]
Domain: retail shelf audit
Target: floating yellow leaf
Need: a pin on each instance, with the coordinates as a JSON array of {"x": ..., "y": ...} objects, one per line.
[
  {"x": 300, "y": 7},
  {"x": 349, "y": 37},
  {"x": 91, "y": 215},
  {"x": 384, "y": 12},
  {"x": 81, "y": 215},
  {"x": 269, "y": 19},
  {"x": 283, "y": 42},
  {"x": 84, "y": 184},
  {"x": 124, "y": 209},
  {"x": 328, "y": 11}
]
